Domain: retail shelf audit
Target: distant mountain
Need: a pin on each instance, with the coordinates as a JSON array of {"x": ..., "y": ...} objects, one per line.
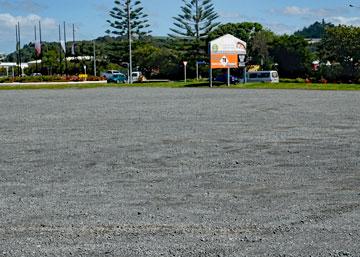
[
  {"x": 315, "y": 30},
  {"x": 2, "y": 57}
]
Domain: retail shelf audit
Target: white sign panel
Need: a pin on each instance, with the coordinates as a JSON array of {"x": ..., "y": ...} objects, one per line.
[
  {"x": 228, "y": 44},
  {"x": 225, "y": 51}
]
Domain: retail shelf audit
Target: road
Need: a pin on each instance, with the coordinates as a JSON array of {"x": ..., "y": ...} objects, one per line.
[{"x": 179, "y": 172}]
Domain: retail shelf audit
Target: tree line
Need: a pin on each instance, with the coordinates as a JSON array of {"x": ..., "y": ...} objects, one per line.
[{"x": 337, "y": 50}]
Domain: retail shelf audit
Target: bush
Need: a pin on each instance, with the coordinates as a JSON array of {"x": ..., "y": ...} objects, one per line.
[{"x": 297, "y": 80}]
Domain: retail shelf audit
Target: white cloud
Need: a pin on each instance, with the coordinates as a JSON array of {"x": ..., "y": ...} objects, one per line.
[
  {"x": 22, "y": 5},
  {"x": 309, "y": 12},
  {"x": 9, "y": 21},
  {"x": 280, "y": 28},
  {"x": 355, "y": 21},
  {"x": 27, "y": 23},
  {"x": 294, "y": 10},
  {"x": 231, "y": 15}
]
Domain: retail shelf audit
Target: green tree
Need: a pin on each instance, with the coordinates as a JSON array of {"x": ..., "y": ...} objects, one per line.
[
  {"x": 292, "y": 55},
  {"x": 192, "y": 27},
  {"x": 155, "y": 61},
  {"x": 341, "y": 46},
  {"x": 316, "y": 30},
  {"x": 244, "y": 31},
  {"x": 260, "y": 48},
  {"x": 128, "y": 14}
]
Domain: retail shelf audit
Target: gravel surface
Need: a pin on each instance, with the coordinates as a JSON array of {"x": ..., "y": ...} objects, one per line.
[{"x": 179, "y": 172}]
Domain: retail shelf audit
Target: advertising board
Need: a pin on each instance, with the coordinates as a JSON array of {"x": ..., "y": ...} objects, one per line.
[{"x": 225, "y": 51}]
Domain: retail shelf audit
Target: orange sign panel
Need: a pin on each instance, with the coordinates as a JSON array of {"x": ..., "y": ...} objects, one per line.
[
  {"x": 225, "y": 52},
  {"x": 221, "y": 61}
]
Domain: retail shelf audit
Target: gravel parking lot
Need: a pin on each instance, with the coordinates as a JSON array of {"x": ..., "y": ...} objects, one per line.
[{"x": 179, "y": 172}]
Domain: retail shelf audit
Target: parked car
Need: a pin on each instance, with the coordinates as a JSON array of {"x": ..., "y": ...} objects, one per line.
[
  {"x": 36, "y": 74},
  {"x": 109, "y": 73},
  {"x": 224, "y": 78},
  {"x": 137, "y": 76},
  {"x": 117, "y": 78}
]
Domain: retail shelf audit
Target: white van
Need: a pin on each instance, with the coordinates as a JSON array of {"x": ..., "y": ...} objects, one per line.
[{"x": 263, "y": 76}]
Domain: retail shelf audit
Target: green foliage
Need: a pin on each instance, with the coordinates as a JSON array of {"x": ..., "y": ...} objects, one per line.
[
  {"x": 197, "y": 19},
  {"x": 245, "y": 30},
  {"x": 156, "y": 62},
  {"x": 123, "y": 10},
  {"x": 340, "y": 47},
  {"x": 292, "y": 55},
  {"x": 316, "y": 30},
  {"x": 259, "y": 48},
  {"x": 192, "y": 27},
  {"x": 297, "y": 80}
]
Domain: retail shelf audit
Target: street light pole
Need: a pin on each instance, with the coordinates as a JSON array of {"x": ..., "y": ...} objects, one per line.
[
  {"x": 95, "y": 73},
  {"x": 130, "y": 47}
]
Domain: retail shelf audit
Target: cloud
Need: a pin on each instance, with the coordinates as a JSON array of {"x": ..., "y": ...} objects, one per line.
[
  {"x": 9, "y": 21},
  {"x": 355, "y": 21},
  {"x": 22, "y": 5},
  {"x": 27, "y": 23},
  {"x": 280, "y": 28},
  {"x": 311, "y": 12},
  {"x": 333, "y": 15}
]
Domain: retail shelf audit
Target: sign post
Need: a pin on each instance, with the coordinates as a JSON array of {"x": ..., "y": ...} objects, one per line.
[
  {"x": 228, "y": 77},
  {"x": 225, "y": 53},
  {"x": 185, "y": 64}
]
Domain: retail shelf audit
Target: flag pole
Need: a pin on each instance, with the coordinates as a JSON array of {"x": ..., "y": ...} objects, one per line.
[
  {"x": 40, "y": 38},
  {"x": 36, "y": 54},
  {"x": 17, "y": 47},
  {"x": 73, "y": 46},
  {"x": 60, "y": 50},
  {"x": 66, "y": 68},
  {"x": 19, "y": 38},
  {"x": 95, "y": 59},
  {"x": 73, "y": 52}
]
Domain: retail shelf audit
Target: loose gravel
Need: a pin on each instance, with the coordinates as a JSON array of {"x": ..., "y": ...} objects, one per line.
[{"x": 179, "y": 172}]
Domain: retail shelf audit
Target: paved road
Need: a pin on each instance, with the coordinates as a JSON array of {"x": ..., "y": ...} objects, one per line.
[{"x": 179, "y": 172}]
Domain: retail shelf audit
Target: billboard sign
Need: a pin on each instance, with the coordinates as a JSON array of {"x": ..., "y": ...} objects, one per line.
[{"x": 225, "y": 52}]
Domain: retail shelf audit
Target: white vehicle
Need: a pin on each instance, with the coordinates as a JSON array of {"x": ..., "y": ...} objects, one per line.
[
  {"x": 263, "y": 76},
  {"x": 137, "y": 76},
  {"x": 109, "y": 73}
]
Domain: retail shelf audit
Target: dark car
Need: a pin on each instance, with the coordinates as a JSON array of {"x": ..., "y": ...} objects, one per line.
[
  {"x": 224, "y": 78},
  {"x": 117, "y": 78}
]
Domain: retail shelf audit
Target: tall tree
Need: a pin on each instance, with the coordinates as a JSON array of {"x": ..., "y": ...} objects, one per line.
[
  {"x": 244, "y": 30},
  {"x": 292, "y": 55},
  {"x": 260, "y": 46},
  {"x": 341, "y": 47},
  {"x": 316, "y": 30},
  {"x": 128, "y": 16},
  {"x": 193, "y": 25}
]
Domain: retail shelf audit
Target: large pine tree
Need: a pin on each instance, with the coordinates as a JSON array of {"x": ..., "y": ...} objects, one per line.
[
  {"x": 128, "y": 14},
  {"x": 197, "y": 19},
  {"x": 193, "y": 25},
  {"x": 128, "y": 19}
]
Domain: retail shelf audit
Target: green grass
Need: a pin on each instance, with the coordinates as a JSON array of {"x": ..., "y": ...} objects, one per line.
[{"x": 194, "y": 84}]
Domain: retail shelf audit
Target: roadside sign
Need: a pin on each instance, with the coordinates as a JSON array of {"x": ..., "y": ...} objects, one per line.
[
  {"x": 225, "y": 52},
  {"x": 185, "y": 63}
]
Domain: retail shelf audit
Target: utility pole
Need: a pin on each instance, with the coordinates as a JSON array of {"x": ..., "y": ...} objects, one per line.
[
  {"x": 40, "y": 38},
  {"x": 66, "y": 67},
  {"x": 94, "y": 59},
  {"x": 36, "y": 58},
  {"x": 129, "y": 34},
  {"x": 19, "y": 42},
  {"x": 60, "y": 50}
]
